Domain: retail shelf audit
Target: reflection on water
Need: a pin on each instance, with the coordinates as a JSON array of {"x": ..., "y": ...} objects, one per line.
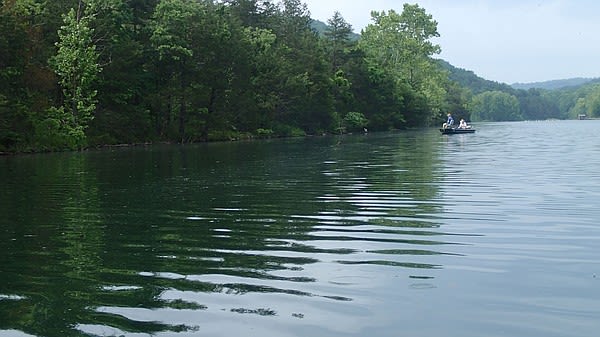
[{"x": 485, "y": 234}]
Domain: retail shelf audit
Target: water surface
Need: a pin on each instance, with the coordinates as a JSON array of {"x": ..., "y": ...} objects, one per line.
[{"x": 396, "y": 234}]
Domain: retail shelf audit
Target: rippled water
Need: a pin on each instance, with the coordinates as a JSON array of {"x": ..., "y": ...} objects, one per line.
[{"x": 495, "y": 233}]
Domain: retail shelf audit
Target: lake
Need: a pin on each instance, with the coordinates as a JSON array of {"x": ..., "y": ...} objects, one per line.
[{"x": 411, "y": 233}]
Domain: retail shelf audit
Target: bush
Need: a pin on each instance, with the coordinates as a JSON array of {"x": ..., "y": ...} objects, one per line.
[
  {"x": 223, "y": 135},
  {"x": 264, "y": 133},
  {"x": 355, "y": 120},
  {"x": 284, "y": 130}
]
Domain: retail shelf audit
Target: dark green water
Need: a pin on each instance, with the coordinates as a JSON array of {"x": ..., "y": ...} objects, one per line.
[{"x": 495, "y": 233}]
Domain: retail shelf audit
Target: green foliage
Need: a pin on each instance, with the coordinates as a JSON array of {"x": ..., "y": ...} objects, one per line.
[
  {"x": 399, "y": 44},
  {"x": 224, "y": 135},
  {"x": 355, "y": 120},
  {"x": 495, "y": 106},
  {"x": 57, "y": 130},
  {"x": 583, "y": 101},
  {"x": 21, "y": 74},
  {"x": 121, "y": 35},
  {"x": 175, "y": 22},
  {"x": 534, "y": 104},
  {"x": 76, "y": 65},
  {"x": 175, "y": 26},
  {"x": 338, "y": 35},
  {"x": 264, "y": 133},
  {"x": 282, "y": 130},
  {"x": 198, "y": 70}
]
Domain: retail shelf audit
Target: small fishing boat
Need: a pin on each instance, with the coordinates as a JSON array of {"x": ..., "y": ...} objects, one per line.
[{"x": 453, "y": 131}]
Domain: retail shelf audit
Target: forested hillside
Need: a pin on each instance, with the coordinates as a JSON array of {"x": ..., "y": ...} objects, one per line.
[
  {"x": 493, "y": 101},
  {"x": 555, "y": 84},
  {"x": 82, "y": 73},
  {"x": 75, "y": 74}
]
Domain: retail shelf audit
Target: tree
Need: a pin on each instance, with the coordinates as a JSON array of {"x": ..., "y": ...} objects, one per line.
[
  {"x": 304, "y": 88},
  {"x": 258, "y": 99},
  {"x": 337, "y": 35},
  {"x": 457, "y": 100},
  {"x": 26, "y": 83},
  {"x": 534, "y": 106},
  {"x": 76, "y": 65},
  {"x": 588, "y": 104},
  {"x": 355, "y": 121},
  {"x": 196, "y": 70},
  {"x": 400, "y": 45},
  {"x": 495, "y": 106},
  {"x": 251, "y": 13},
  {"x": 176, "y": 24},
  {"x": 122, "y": 40}
]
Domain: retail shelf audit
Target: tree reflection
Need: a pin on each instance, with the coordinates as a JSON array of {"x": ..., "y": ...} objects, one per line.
[{"x": 107, "y": 235}]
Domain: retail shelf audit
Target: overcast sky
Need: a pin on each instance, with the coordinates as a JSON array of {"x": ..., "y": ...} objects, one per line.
[{"x": 501, "y": 40}]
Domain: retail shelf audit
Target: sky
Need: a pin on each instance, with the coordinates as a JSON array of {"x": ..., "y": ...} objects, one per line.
[{"x": 509, "y": 41}]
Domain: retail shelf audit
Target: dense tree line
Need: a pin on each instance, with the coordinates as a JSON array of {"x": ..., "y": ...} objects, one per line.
[
  {"x": 492, "y": 101},
  {"x": 80, "y": 73},
  {"x": 77, "y": 73},
  {"x": 572, "y": 102}
]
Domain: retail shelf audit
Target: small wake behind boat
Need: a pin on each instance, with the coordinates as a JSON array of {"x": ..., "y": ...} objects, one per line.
[{"x": 452, "y": 131}]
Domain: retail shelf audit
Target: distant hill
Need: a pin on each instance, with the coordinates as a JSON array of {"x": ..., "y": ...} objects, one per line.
[
  {"x": 319, "y": 26},
  {"x": 555, "y": 84},
  {"x": 469, "y": 79}
]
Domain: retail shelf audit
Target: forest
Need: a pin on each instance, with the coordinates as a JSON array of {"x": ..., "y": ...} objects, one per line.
[{"x": 77, "y": 74}]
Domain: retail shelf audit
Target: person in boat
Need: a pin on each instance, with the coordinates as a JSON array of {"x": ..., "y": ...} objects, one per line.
[
  {"x": 463, "y": 124},
  {"x": 449, "y": 122}
]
